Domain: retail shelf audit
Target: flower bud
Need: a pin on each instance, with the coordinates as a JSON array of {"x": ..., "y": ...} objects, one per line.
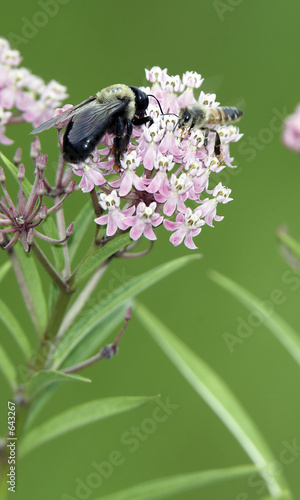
[
  {"x": 21, "y": 172},
  {"x": 35, "y": 148},
  {"x": 69, "y": 230},
  {"x": 41, "y": 162},
  {"x": 17, "y": 157},
  {"x": 30, "y": 237},
  {"x": 43, "y": 212},
  {"x": 2, "y": 176},
  {"x": 70, "y": 187}
]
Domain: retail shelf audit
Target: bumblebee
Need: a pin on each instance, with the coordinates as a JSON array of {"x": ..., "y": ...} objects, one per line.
[
  {"x": 114, "y": 109},
  {"x": 198, "y": 116}
]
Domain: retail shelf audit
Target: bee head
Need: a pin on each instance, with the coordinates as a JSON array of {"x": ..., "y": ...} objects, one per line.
[
  {"x": 184, "y": 117},
  {"x": 141, "y": 101}
]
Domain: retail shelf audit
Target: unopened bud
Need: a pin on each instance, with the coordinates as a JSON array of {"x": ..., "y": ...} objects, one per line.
[
  {"x": 69, "y": 230},
  {"x": 30, "y": 237},
  {"x": 1, "y": 239},
  {"x": 40, "y": 190},
  {"x": 35, "y": 148},
  {"x": 41, "y": 161},
  {"x": 43, "y": 212},
  {"x": 2, "y": 176},
  {"x": 17, "y": 157},
  {"x": 70, "y": 187},
  {"x": 21, "y": 172}
]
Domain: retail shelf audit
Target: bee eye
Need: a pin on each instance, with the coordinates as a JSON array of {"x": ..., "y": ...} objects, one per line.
[{"x": 186, "y": 117}]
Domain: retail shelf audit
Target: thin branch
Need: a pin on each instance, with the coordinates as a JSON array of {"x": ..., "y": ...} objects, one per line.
[
  {"x": 62, "y": 285},
  {"x": 107, "y": 352},
  {"x": 61, "y": 227}
]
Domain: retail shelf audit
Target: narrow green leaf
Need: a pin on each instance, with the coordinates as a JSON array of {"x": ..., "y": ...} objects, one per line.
[
  {"x": 10, "y": 321},
  {"x": 77, "y": 417},
  {"x": 34, "y": 286},
  {"x": 37, "y": 405},
  {"x": 288, "y": 337},
  {"x": 95, "y": 339},
  {"x": 97, "y": 255},
  {"x": 8, "y": 368},
  {"x": 4, "y": 269},
  {"x": 81, "y": 224},
  {"x": 14, "y": 172},
  {"x": 286, "y": 496},
  {"x": 289, "y": 242},
  {"x": 44, "y": 378},
  {"x": 88, "y": 321},
  {"x": 217, "y": 395},
  {"x": 51, "y": 296},
  {"x": 173, "y": 485}
]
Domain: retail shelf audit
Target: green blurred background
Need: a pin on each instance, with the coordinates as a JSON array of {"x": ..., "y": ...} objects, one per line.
[{"x": 247, "y": 51}]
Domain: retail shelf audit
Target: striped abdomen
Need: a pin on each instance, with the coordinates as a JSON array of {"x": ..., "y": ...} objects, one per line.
[{"x": 224, "y": 115}]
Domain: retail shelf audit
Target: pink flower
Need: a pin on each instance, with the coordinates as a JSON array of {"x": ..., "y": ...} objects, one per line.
[
  {"x": 165, "y": 169},
  {"x": 186, "y": 227},
  {"x": 291, "y": 131},
  {"x": 208, "y": 100},
  {"x": 149, "y": 144},
  {"x": 163, "y": 164},
  {"x": 155, "y": 74},
  {"x": 169, "y": 142},
  {"x": 209, "y": 205},
  {"x": 91, "y": 175},
  {"x": 142, "y": 222},
  {"x": 176, "y": 194},
  {"x": 115, "y": 217},
  {"x": 129, "y": 177}
]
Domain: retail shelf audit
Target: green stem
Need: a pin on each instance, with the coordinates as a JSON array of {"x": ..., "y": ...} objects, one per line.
[
  {"x": 49, "y": 268},
  {"x": 55, "y": 320},
  {"x": 61, "y": 227},
  {"x": 4, "y": 469}
]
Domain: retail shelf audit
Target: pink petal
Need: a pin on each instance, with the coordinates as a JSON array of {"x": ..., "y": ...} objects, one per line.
[
  {"x": 137, "y": 230},
  {"x": 101, "y": 220},
  {"x": 177, "y": 237},
  {"x": 149, "y": 233},
  {"x": 126, "y": 185}
]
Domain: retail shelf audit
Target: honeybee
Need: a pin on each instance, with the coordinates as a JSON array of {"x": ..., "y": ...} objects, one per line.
[
  {"x": 114, "y": 109},
  {"x": 198, "y": 116}
]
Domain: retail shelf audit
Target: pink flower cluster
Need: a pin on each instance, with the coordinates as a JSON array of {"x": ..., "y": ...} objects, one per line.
[
  {"x": 24, "y": 97},
  {"x": 291, "y": 131},
  {"x": 165, "y": 173}
]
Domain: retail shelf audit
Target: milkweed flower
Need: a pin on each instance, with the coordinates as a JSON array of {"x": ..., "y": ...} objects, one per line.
[
  {"x": 164, "y": 178},
  {"x": 19, "y": 221},
  {"x": 186, "y": 227},
  {"x": 24, "y": 97},
  {"x": 166, "y": 172},
  {"x": 142, "y": 223},
  {"x": 115, "y": 217},
  {"x": 291, "y": 131}
]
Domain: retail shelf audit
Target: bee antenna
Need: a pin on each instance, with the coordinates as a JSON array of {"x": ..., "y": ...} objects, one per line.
[
  {"x": 176, "y": 124},
  {"x": 170, "y": 114},
  {"x": 150, "y": 95}
]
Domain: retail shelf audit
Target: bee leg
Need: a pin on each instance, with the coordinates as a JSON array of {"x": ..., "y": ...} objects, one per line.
[
  {"x": 142, "y": 121},
  {"x": 217, "y": 148},
  {"x": 128, "y": 135},
  {"x": 206, "y": 133},
  {"x": 217, "y": 145},
  {"x": 120, "y": 141}
]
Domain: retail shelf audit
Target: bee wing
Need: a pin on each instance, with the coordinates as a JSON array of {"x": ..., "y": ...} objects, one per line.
[
  {"x": 56, "y": 120},
  {"x": 94, "y": 117}
]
